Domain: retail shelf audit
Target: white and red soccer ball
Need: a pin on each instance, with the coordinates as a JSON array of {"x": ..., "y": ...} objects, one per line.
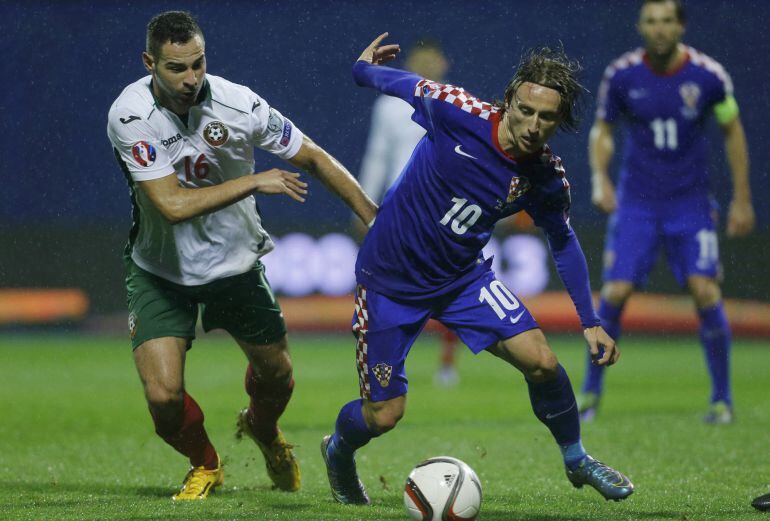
[{"x": 442, "y": 489}]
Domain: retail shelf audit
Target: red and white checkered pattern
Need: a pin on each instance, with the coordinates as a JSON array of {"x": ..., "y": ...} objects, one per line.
[
  {"x": 713, "y": 66},
  {"x": 549, "y": 158},
  {"x": 360, "y": 329},
  {"x": 628, "y": 59},
  {"x": 457, "y": 96}
]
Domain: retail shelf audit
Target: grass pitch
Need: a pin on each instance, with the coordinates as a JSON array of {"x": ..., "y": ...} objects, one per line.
[{"x": 76, "y": 441}]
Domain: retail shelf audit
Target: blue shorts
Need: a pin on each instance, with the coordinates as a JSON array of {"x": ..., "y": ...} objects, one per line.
[
  {"x": 481, "y": 313},
  {"x": 685, "y": 228}
]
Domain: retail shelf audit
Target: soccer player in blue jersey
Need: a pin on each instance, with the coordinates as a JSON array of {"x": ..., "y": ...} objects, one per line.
[
  {"x": 665, "y": 94},
  {"x": 421, "y": 259}
]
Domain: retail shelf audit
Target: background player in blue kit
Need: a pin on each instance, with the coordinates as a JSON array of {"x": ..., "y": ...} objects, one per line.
[
  {"x": 477, "y": 164},
  {"x": 665, "y": 93}
]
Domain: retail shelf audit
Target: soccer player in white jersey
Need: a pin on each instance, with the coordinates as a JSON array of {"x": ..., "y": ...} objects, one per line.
[
  {"x": 392, "y": 138},
  {"x": 185, "y": 142}
]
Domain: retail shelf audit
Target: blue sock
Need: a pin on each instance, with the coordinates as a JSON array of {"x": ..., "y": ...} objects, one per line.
[
  {"x": 554, "y": 404},
  {"x": 573, "y": 454},
  {"x": 351, "y": 432},
  {"x": 715, "y": 337},
  {"x": 610, "y": 317}
]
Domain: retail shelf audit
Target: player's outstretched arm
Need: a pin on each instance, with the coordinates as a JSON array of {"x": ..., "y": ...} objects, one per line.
[
  {"x": 177, "y": 203},
  {"x": 601, "y": 146},
  {"x": 740, "y": 218},
  {"x": 335, "y": 177},
  {"x": 573, "y": 271},
  {"x": 368, "y": 72}
]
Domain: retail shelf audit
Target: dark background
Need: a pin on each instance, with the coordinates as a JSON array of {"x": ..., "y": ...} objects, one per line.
[{"x": 64, "y": 206}]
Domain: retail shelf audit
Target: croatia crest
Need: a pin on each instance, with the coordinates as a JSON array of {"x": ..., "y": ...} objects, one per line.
[
  {"x": 690, "y": 93},
  {"x": 383, "y": 372},
  {"x": 519, "y": 186},
  {"x": 144, "y": 153}
]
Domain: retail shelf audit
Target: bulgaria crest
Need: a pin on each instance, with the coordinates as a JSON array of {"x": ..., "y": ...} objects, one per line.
[
  {"x": 519, "y": 186},
  {"x": 383, "y": 372},
  {"x": 216, "y": 133}
]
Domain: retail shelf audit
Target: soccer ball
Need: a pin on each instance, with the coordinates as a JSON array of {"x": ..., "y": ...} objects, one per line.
[{"x": 442, "y": 489}]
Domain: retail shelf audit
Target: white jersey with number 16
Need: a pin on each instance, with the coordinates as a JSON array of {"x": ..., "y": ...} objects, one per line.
[{"x": 215, "y": 144}]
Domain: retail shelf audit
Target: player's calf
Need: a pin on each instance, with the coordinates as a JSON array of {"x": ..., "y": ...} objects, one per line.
[
  {"x": 268, "y": 400},
  {"x": 181, "y": 426},
  {"x": 383, "y": 416}
]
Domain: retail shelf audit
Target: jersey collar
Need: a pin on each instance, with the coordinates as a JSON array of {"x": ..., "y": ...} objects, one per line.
[{"x": 684, "y": 60}]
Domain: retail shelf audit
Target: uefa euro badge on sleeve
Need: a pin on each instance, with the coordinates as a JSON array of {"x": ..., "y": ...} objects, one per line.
[{"x": 383, "y": 372}]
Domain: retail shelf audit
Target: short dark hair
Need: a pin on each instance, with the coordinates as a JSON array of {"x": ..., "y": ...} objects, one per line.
[
  {"x": 171, "y": 26},
  {"x": 680, "y": 14},
  {"x": 551, "y": 68}
]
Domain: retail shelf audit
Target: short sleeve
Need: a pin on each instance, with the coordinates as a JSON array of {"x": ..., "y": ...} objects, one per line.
[
  {"x": 138, "y": 146},
  {"x": 609, "y": 99},
  {"x": 271, "y": 131},
  {"x": 721, "y": 85}
]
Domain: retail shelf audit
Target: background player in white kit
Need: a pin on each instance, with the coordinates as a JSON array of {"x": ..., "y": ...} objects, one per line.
[
  {"x": 392, "y": 138},
  {"x": 185, "y": 142}
]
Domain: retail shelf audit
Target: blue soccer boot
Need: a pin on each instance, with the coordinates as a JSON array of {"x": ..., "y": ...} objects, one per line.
[
  {"x": 343, "y": 478},
  {"x": 607, "y": 481}
]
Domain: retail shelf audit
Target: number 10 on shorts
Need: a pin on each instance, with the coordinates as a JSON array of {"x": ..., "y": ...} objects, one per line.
[{"x": 499, "y": 297}]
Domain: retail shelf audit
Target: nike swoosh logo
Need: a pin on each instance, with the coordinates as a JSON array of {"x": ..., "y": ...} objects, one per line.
[
  {"x": 565, "y": 411},
  {"x": 459, "y": 151},
  {"x": 129, "y": 119},
  {"x": 516, "y": 318}
]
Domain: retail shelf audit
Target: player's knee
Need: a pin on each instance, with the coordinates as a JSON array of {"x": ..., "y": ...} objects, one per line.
[
  {"x": 616, "y": 293},
  {"x": 382, "y": 417},
  {"x": 269, "y": 380},
  {"x": 164, "y": 397},
  {"x": 166, "y": 408},
  {"x": 269, "y": 365},
  {"x": 545, "y": 368},
  {"x": 705, "y": 292}
]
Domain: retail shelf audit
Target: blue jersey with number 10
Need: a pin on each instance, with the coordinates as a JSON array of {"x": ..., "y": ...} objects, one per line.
[{"x": 437, "y": 217}]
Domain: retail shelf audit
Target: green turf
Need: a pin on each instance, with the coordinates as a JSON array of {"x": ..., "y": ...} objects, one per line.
[{"x": 76, "y": 441}]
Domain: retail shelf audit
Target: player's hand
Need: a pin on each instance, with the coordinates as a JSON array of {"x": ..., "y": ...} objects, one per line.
[
  {"x": 603, "y": 195},
  {"x": 377, "y": 55},
  {"x": 277, "y": 181},
  {"x": 602, "y": 347},
  {"x": 740, "y": 218}
]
